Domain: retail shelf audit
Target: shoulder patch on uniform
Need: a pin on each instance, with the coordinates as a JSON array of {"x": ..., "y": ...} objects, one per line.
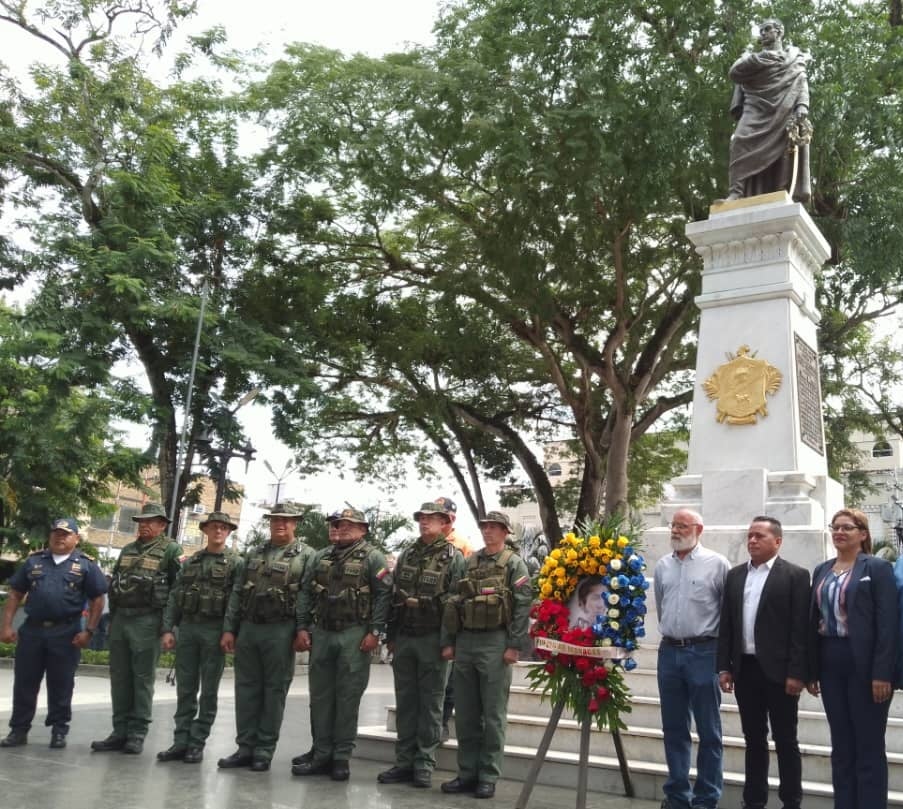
[
  {"x": 382, "y": 573},
  {"x": 522, "y": 581}
]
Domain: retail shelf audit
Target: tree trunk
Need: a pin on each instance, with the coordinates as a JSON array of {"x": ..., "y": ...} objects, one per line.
[{"x": 618, "y": 456}]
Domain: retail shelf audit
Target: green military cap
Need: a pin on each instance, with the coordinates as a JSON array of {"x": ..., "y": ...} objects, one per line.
[
  {"x": 441, "y": 505},
  {"x": 219, "y": 516},
  {"x": 498, "y": 517},
  {"x": 284, "y": 510},
  {"x": 151, "y": 511},
  {"x": 349, "y": 515}
]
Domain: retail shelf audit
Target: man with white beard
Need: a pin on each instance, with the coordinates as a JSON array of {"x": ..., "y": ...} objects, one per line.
[{"x": 689, "y": 587}]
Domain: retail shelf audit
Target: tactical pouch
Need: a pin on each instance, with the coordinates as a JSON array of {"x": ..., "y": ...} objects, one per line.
[
  {"x": 351, "y": 573},
  {"x": 429, "y": 584},
  {"x": 451, "y": 618},
  {"x": 159, "y": 593},
  {"x": 467, "y": 588},
  {"x": 190, "y": 602},
  {"x": 246, "y": 597}
]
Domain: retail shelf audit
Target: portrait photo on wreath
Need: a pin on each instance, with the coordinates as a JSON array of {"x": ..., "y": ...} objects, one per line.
[{"x": 587, "y": 602}]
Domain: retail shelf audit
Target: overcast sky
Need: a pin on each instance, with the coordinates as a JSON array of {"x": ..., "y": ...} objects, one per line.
[{"x": 370, "y": 26}]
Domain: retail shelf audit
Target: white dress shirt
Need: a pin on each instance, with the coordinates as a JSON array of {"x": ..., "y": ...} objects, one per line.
[{"x": 752, "y": 592}]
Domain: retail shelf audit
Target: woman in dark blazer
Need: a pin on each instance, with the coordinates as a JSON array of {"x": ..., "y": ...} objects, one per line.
[{"x": 854, "y": 635}]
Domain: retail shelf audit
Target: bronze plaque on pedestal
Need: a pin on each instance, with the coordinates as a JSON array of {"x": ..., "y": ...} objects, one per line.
[{"x": 808, "y": 394}]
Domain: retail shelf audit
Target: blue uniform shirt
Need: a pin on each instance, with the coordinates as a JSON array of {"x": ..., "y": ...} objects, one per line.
[{"x": 58, "y": 592}]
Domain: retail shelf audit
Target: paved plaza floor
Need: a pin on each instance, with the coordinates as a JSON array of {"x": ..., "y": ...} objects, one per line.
[{"x": 35, "y": 777}]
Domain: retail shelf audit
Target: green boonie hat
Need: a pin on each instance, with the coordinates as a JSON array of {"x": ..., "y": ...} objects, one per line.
[
  {"x": 497, "y": 516},
  {"x": 441, "y": 506},
  {"x": 284, "y": 510},
  {"x": 151, "y": 511},
  {"x": 349, "y": 515},
  {"x": 218, "y": 516}
]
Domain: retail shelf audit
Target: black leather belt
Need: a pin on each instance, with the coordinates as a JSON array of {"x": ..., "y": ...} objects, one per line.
[
  {"x": 51, "y": 624},
  {"x": 687, "y": 641}
]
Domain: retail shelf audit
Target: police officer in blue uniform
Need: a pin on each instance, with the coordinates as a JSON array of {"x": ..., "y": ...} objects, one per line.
[{"x": 58, "y": 581}]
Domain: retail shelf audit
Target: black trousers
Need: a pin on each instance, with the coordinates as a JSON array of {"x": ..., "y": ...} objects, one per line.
[
  {"x": 44, "y": 653},
  {"x": 763, "y": 703}
]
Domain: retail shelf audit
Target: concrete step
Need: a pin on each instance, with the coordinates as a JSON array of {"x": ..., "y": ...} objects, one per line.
[
  {"x": 528, "y": 716},
  {"x": 560, "y": 769},
  {"x": 646, "y": 744},
  {"x": 643, "y": 682},
  {"x": 646, "y": 713}
]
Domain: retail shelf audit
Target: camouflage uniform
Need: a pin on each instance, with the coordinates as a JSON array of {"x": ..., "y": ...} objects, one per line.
[
  {"x": 346, "y": 595},
  {"x": 424, "y": 578},
  {"x": 261, "y": 613},
  {"x": 488, "y": 614},
  {"x": 197, "y": 605},
  {"x": 142, "y": 577}
]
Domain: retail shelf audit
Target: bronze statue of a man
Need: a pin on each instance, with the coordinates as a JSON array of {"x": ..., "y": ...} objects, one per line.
[{"x": 771, "y": 105}]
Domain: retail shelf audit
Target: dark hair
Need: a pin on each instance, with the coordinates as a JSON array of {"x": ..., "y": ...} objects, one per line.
[
  {"x": 584, "y": 586},
  {"x": 776, "y": 528},
  {"x": 861, "y": 522}
]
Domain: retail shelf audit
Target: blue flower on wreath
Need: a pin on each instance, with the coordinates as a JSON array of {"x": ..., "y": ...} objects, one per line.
[{"x": 630, "y": 664}]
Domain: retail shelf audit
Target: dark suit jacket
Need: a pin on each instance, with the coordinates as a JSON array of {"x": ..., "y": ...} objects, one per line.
[
  {"x": 781, "y": 627},
  {"x": 872, "y": 617}
]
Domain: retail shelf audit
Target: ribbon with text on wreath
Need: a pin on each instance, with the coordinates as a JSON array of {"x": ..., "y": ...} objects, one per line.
[{"x": 590, "y": 615}]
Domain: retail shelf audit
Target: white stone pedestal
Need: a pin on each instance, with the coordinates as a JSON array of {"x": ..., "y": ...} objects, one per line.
[{"x": 758, "y": 290}]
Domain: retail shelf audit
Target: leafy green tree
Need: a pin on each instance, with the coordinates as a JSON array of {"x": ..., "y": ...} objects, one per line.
[
  {"x": 535, "y": 171},
  {"x": 134, "y": 195},
  {"x": 58, "y": 455}
]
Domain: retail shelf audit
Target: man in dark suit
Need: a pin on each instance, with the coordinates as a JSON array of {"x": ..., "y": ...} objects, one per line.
[{"x": 762, "y": 657}]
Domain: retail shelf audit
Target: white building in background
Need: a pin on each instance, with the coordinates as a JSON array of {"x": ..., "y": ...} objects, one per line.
[{"x": 882, "y": 461}]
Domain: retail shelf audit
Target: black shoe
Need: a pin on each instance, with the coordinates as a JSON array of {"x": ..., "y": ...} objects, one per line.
[
  {"x": 423, "y": 779},
  {"x": 57, "y": 741},
  {"x": 458, "y": 785},
  {"x": 308, "y": 756},
  {"x": 133, "y": 745},
  {"x": 484, "y": 790},
  {"x": 172, "y": 754},
  {"x": 260, "y": 765},
  {"x": 112, "y": 742},
  {"x": 312, "y": 768},
  {"x": 340, "y": 770},
  {"x": 396, "y": 775},
  {"x": 193, "y": 755},
  {"x": 237, "y": 759},
  {"x": 16, "y": 738}
]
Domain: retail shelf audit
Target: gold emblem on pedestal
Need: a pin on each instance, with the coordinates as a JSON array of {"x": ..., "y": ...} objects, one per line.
[{"x": 740, "y": 386}]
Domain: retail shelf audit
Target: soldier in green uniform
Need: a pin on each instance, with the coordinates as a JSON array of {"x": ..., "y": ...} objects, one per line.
[
  {"x": 488, "y": 619},
  {"x": 342, "y": 612},
  {"x": 260, "y": 628},
  {"x": 425, "y": 575},
  {"x": 197, "y": 604},
  {"x": 139, "y": 589}
]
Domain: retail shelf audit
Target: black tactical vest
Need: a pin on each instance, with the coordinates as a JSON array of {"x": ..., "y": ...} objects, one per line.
[
  {"x": 342, "y": 588},
  {"x": 420, "y": 580},
  {"x": 206, "y": 594},
  {"x": 485, "y": 601},
  {"x": 140, "y": 580},
  {"x": 271, "y": 586}
]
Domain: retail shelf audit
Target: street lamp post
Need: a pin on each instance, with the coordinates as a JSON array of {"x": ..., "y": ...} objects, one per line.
[
  {"x": 289, "y": 469},
  {"x": 226, "y": 453}
]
